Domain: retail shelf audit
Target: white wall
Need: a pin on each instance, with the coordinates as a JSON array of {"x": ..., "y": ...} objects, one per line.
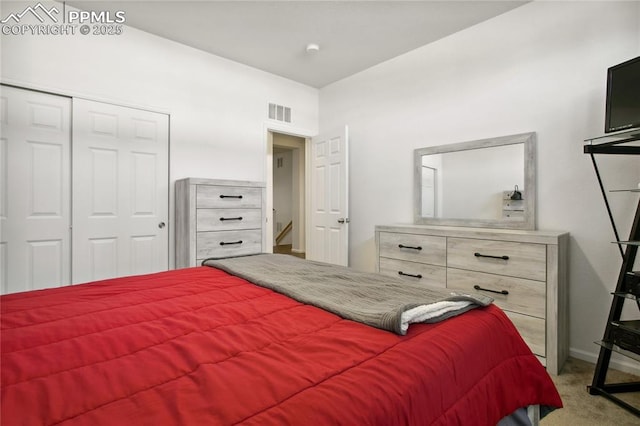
[
  {"x": 541, "y": 67},
  {"x": 218, "y": 107}
]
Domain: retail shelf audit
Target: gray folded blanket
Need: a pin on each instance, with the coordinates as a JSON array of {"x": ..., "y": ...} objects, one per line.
[{"x": 374, "y": 299}]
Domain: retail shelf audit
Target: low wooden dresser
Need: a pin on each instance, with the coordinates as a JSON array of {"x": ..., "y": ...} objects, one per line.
[
  {"x": 218, "y": 218},
  {"x": 524, "y": 271}
]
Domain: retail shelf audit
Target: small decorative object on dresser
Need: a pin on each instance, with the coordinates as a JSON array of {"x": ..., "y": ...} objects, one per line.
[
  {"x": 524, "y": 271},
  {"x": 513, "y": 204},
  {"x": 218, "y": 218}
]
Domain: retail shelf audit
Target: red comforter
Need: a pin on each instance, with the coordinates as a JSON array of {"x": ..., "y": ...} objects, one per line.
[{"x": 200, "y": 347}]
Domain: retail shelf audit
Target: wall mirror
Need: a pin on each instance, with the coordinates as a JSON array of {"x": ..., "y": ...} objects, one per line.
[{"x": 483, "y": 183}]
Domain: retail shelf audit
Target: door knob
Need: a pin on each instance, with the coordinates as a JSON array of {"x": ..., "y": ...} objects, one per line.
[
  {"x": 161, "y": 225},
  {"x": 343, "y": 220}
]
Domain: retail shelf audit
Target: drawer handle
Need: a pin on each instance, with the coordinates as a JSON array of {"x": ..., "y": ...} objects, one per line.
[
  {"x": 477, "y": 287},
  {"x": 231, "y": 196},
  {"x": 409, "y": 247},
  {"x": 231, "y": 218},
  {"x": 222, "y": 243},
  {"x": 409, "y": 275},
  {"x": 492, "y": 257}
]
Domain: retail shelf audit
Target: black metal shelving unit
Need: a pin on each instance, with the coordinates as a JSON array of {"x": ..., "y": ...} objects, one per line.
[{"x": 619, "y": 336}]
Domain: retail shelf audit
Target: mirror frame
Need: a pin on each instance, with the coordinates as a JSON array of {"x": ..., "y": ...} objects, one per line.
[{"x": 529, "y": 219}]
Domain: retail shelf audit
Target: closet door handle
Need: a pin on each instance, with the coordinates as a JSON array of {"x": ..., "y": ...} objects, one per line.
[
  {"x": 477, "y": 287},
  {"x": 409, "y": 247},
  {"x": 410, "y": 275},
  {"x": 231, "y": 218},
  {"x": 222, "y": 243},
  {"x": 489, "y": 256},
  {"x": 231, "y": 196}
]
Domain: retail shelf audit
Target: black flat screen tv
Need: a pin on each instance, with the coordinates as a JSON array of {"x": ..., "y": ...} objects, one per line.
[{"x": 623, "y": 96}]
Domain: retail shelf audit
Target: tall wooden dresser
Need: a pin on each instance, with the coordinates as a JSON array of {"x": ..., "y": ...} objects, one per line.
[
  {"x": 218, "y": 218},
  {"x": 524, "y": 271}
]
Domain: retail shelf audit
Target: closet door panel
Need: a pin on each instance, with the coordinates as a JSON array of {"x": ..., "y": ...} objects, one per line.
[
  {"x": 143, "y": 175},
  {"x": 103, "y": 182},
  {"x": 120, "y": 192},
  {"x": 35, "y": 214},
  {"x": 103, "y": 257}
]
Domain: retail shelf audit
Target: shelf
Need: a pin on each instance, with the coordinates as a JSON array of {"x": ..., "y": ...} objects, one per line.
[
  {"x": 632, "y": 326},
  {"x": 625, "y": 295},
  {"x": 620, "y": 336},
  {"x": 618, "y": 349},
  {"x": 612, "y": 149},
  {"x": 627, "y": 142},
  {"x": 626, "y": 136},
  {"x": 627, "y": 243},
  {"x": 626, "y": 336}
]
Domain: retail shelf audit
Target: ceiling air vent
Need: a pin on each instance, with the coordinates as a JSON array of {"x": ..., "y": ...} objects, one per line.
[{"x": 280, "y": 113}]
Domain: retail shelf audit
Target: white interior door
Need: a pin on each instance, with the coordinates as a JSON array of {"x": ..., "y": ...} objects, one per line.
[
  {"x": 35, "y": 213},
  {"x": 120, "y": 191},
  {"x": 329, "y": 229}
]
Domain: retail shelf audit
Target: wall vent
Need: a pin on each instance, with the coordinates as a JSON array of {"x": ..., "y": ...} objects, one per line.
[{"x": 280, "y": 113}]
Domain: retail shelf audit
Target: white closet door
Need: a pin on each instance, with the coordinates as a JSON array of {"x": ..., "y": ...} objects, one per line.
[
  {"x": 120, "y": 191},
  {"x": 34, "y": 190}
]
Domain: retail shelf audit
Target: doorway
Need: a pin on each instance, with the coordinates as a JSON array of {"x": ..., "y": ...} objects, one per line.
[{"x": 288, "y": 177}]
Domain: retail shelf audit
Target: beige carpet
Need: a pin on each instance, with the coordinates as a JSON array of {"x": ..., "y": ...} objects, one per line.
[{"x": 584, "y": 409}]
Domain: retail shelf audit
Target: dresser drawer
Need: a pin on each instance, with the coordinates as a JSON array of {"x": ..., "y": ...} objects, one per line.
[
  {"x": 231, "y": 197},
  {"x": 427, "y": 274},
  {"x": 523, "y": 260},
  {"x": 532, "y": 330},
  {"x": 228, "y": 243},
  {"x": 525, "y": 296},
  {"x": 414, "y": 248},
  {"x": 228, "y": 219}
]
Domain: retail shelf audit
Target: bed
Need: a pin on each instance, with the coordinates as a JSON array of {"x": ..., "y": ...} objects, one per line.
[{"x": 203, "y": 346}]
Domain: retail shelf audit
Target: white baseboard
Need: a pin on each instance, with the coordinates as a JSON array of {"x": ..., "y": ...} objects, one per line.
[{"x": 618, "y": 362}]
